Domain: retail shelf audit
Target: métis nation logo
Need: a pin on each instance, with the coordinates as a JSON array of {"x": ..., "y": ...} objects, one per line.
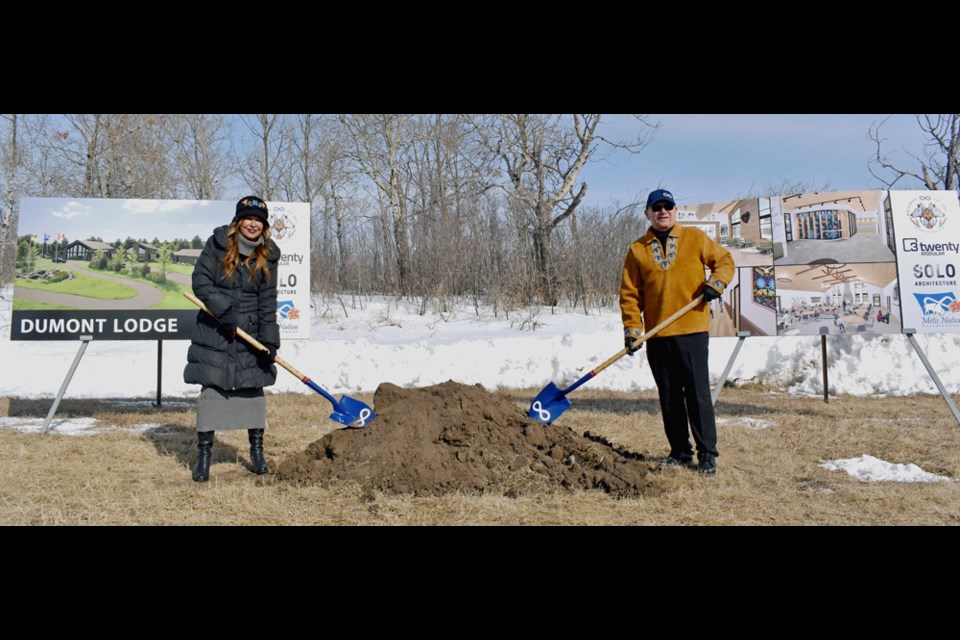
[
  {"x": 287, "y": 310},
  {"x": 938, "y": 304}
]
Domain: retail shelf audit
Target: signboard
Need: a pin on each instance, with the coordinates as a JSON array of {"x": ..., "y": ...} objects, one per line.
[
  {"x": 290, "y": 229},
  {"x": 927, "y": 225},
  {"x": 116, "y": 269},
  {"x": 838, "y": 262}
]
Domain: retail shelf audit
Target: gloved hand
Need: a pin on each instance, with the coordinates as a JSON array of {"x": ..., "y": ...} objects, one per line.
[
  {"x": 628, "y": 345},
  {"x": 269, "y": 355},
  {"x": 709, "y": 293},
  {"x": 228, "y": 323}
]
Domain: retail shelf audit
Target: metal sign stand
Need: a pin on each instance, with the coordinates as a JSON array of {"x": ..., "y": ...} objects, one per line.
[
  {"x": 159, "y": 369},
  {"x": 823, "y": 354},
  {"x": 741, "y": 336},
  {"x": 910, "y": 333},
  {"x": 84, "y": 341},
  {"x": 933, "y": 374}
]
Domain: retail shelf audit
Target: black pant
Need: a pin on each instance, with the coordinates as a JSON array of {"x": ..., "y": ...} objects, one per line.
[{"x": 680, "y": 368}]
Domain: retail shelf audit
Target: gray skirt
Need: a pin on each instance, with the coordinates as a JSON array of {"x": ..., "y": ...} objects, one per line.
[{"x": 219, "y": 410}]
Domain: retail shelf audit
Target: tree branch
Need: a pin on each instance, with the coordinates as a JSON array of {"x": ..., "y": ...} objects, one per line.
[
  {"x": 881, "y": 159},
  {"x": 586, "y": 139},
  {"x": 572, "y": 207}
]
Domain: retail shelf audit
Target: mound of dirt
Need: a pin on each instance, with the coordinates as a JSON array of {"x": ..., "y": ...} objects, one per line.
[{"x": 456, "y": 438}]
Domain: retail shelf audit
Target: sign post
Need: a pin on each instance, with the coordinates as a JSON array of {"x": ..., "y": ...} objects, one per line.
[
  {"x": 84, "y": 341},
  {"x": 741, "y": 336},
  {"x": 159, "y": 369},
  {"x": 933, "y": 374}
]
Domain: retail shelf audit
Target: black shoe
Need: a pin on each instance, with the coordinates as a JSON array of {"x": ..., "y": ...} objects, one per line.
[
  {"x": 708, "y": 464},
  {"x": 257, "y": 462},
  {"x": 678, "y": 460},
  {"x": 201, "y": 472}
]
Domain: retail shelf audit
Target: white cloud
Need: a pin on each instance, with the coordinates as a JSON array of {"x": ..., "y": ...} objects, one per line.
[
  {"x": 141, "y": 206},
  {"x": 153, "y": 206},
  {"x": 70, "y": 211},
  {"x": 176, "y": 205}
]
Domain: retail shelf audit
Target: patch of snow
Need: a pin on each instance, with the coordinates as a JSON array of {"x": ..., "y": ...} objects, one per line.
[
  {"x": 746, "y": 422},
  {"x": 172, "y": 404},
  {"x": 866, "y": 468},
  {"x": 61, "y": 426},
  {"x": 69, "y": 426}
]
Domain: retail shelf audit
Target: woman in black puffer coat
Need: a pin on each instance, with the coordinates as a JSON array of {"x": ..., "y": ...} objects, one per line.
[{"x": 236, "y": 277}]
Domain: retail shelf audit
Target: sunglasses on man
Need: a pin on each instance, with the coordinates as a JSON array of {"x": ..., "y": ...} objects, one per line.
[{"x": 657, "y": 208}]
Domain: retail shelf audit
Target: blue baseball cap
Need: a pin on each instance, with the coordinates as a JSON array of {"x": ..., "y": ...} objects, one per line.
[{"x": 658, "y": 195}]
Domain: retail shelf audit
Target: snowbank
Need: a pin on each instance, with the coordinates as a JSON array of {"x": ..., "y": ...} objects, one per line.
[{"x": 386, "y": 341}]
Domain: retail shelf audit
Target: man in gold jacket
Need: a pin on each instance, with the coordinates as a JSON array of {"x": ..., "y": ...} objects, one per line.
[{"x": 662, "y": 272}]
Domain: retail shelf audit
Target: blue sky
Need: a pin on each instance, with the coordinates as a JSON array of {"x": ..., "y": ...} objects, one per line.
[{"x": 704, "y": 158}]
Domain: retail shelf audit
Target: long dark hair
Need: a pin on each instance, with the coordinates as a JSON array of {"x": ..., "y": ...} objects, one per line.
[{"x": 232, "y": 257}]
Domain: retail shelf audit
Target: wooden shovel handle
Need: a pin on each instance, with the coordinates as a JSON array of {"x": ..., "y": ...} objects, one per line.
[
  {"x": 649, "y": 334},
  {"x": 246, "y": 336}
]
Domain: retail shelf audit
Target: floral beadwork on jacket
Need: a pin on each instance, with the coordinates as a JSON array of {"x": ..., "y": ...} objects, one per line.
[
  {"x": 665, "y": 258},
  {"x": 717, "y": 284}
]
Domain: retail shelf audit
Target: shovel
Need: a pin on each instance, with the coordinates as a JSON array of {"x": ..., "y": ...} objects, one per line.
[
  {"x": 552, "y": 401},
  {"x": 348, "y": 411}
]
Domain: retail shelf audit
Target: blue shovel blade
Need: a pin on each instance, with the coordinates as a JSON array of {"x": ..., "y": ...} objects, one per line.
[
  {"x": 548, "y": 405},
  {"x": 352, "y": 412}
]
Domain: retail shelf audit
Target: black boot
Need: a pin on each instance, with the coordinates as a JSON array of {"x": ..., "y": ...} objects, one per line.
[
  {"x": 201, "y": 472},
  {"x": 708, "y": 464},
  {"x": 257, "y": 463}
]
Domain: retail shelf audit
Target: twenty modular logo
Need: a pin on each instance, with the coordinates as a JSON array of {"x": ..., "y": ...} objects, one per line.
[{"x": 930, "y": 248}]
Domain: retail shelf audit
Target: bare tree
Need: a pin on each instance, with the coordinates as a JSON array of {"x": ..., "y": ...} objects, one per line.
[
  {"x": 89, "y": 131},
  {"x": 337, "y": 192},
  {"x": 196, "y": 144},
  {"x": 316, "y": 174},
  {"x": 305, "y": 148},
  {"x": 11, "y": 161},
  {"x": 939, "y": 164},
  {"x": 542, "y": 156},
  {"x": 121, "y": 155},
  {"x": 44, "y": 171},
  {"x": 444, "y": 191},
  {"x": 262, "y": 164},
  {"x": 379, "y": 145}
]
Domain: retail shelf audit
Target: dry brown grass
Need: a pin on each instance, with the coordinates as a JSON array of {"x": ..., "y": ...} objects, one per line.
[{"x": 768, "y": 476}]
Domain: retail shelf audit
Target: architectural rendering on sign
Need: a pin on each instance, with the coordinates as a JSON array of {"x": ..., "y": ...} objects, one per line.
[
  {"x": 827, "y": 263},
  {"x": 847, "y": 226},
  {"x": 120, "y": 267}
]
